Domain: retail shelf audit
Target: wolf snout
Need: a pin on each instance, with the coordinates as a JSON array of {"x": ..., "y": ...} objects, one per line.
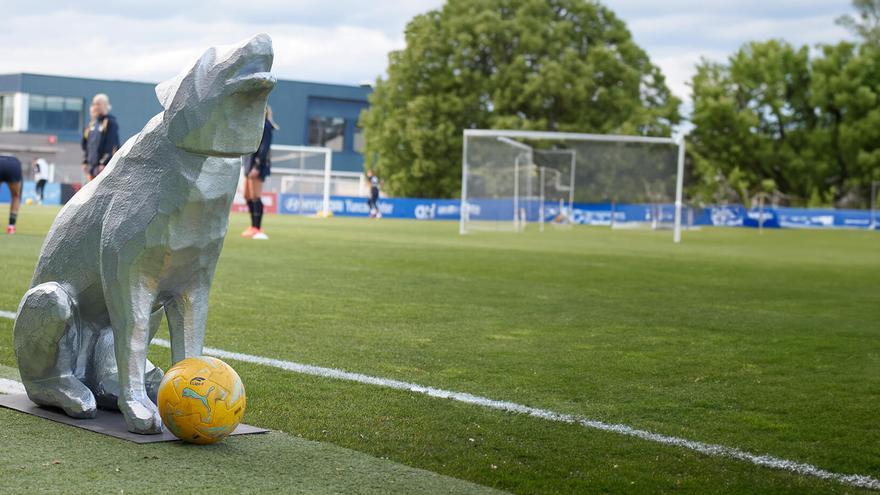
[
  {"x": 254, "y": 74},
  {"x": 252, "y": 82},
  {"x": 259, "y": 46}
]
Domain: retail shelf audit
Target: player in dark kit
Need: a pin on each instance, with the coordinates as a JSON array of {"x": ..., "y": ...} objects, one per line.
[
  {"x": 101, "y": 137},
  {"x": 375, "y": 183},
  {"x": 10, "y": 173},
  {"x": 257, "y": 168}
]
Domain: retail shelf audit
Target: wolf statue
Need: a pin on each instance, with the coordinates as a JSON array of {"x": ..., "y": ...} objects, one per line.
[{"x": 142, "y": 240}]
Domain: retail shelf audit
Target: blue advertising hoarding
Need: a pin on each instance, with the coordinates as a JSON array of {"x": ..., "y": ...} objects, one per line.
[
  {"x": 51, "y": 193},
  {"x": 583, "y": 213},
  {"x": 586, "y": 213},
  {"x": 354, "y": 206}
]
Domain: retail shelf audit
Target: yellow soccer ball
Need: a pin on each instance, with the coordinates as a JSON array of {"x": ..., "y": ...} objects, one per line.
[
  {"x": 29, "y": 201},
  {"x": 201, "y": 400}
]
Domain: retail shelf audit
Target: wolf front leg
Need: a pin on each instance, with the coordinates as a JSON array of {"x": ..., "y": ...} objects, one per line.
[
  {"x": 130, "y": 308},
  {"x": 187, "y": 315}
]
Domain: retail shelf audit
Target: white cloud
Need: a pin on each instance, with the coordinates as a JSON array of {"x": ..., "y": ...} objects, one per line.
[
  {"x": 154, "y": 48},
  {"x": 347, "y": 41},
  {"x": 679, "y": 65},
  {"x": 678, "y": 33}
]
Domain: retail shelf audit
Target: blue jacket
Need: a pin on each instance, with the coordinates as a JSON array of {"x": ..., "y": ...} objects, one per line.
[{"x": 263, "y": 157}]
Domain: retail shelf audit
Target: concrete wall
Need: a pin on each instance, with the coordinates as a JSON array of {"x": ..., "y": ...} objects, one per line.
[{"x": 66, "y": 155}]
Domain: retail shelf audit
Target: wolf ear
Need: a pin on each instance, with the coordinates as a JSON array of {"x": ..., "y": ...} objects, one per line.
[{"x": 165, "y": 91}]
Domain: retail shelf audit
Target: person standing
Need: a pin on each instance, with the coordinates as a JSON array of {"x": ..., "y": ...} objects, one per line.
[
  {"x": 101, "y": 137},
  {"x": 375, "y": 184},
  {"x": 256, "y": 168},
  {"x": 41, "y": 176},
  {"x": 10, "y": 174}
]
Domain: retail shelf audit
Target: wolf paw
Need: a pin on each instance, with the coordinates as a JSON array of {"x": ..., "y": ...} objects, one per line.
[
  {"x": 141, "y": 415},
  {"x": 65, "y": 392}
]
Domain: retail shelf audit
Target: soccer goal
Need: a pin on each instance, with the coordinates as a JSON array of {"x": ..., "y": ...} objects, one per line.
[
  {"x": 305, "y": 175},
  {"x": 514, "y": 179},
  {"x": 875, "y": 203}
]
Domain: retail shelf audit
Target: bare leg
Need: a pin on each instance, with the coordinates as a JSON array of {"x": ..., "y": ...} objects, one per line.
[
  {"x": 15, "y": 192},
  {"x": 256, "y": 186},
  {"x": 247, "y": 189}
]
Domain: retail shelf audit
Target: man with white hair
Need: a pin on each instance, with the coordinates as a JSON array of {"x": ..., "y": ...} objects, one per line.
[{"x": 101, "y": 137}]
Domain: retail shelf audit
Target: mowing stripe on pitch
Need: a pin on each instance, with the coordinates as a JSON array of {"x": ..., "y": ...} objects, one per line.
[{"x": 856, "y": 480}]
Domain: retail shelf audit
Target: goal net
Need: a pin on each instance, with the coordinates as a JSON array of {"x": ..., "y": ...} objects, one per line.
[
  {"x": 305, "y": 177},
  {"x": 517, "y": 180},
  {"x": 556, "y": 174}
]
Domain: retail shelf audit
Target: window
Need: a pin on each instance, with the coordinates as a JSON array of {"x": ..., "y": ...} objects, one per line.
[
  {"x": 358, "y": 143},
  {"x": 37, "y": 112},
  {"x": 54, "y": 113},
  {"x": 327, "y": 131},
  {"x": 7, "y": 112},
  {"x": 72, "y": 114}
]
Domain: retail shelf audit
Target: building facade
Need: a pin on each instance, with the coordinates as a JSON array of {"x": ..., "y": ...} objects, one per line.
[{"x": 44, "y": 116}]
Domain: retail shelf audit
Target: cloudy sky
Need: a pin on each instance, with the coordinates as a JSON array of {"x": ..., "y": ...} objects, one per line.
[{"x": 346, "y": 41}]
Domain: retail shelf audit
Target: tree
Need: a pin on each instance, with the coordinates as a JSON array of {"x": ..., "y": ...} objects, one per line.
[
  {"x": 811, "y": 126},
  {"x": 867, "y": 26},
  {"x": 560, "y": 65},
  {"x": 846, "y": 94},
  {"x": 753, "y": 121}
]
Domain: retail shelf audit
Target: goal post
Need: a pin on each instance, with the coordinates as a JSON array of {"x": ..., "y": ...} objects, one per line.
[
  {"x": 501, "y": 184},
  {"x": 875, "y": 188},
  {"x": 512, "y": 177},
  {"x": 304, "y": 171},
  {"x": 304, "y": 177}
]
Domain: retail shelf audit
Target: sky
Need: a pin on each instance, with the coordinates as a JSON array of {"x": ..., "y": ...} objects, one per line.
[{"x": 347, "y": 41}]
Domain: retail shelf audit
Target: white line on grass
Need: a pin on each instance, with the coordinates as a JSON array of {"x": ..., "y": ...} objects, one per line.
[
  {"x": 856, "y": 480},
  {"x": 10, "y": 387},
  {"x": 704, "y": 448},
  {"x": 7, "y": 314}
]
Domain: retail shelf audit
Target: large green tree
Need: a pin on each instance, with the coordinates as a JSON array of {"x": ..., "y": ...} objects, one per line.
[
  {"x": 753, "y": 120},
  {"x": 562, "y": 65},
  {"x": 773, "y": 118},
  {"x": 846, "y": 94}
]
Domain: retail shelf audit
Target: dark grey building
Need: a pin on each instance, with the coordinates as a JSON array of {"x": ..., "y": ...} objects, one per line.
[{"x": 45, "y": 116}]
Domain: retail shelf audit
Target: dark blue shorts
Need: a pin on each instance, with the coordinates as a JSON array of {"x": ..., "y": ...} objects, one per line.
[
  {"x": 10, "y": 169},
  {"x": 263, "y": 170}
]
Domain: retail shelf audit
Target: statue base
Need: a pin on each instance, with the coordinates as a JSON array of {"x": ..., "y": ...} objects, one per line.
[{"x": 105, "y": 422}]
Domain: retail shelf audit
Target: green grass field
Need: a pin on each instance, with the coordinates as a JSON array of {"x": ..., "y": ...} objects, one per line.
[{"x": 769, "y": 343}]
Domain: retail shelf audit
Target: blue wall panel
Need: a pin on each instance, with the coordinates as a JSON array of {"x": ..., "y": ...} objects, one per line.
[{"x": 135, "y": 103}]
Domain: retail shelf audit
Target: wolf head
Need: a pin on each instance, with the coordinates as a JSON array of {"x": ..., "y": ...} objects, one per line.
[{"x": 217, "y": 106}]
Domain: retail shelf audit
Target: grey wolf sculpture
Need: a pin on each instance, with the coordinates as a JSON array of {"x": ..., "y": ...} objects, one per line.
[{"x": 142, "y": 240}]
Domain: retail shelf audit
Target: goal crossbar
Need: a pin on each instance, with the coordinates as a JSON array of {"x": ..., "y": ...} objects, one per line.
[{"x": 572, "y": 136}]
